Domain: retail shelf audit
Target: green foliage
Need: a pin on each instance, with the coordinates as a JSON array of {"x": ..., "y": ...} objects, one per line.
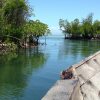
[
  {"x": 15, "y": 24},
  {"x": 15, "y": 12},
  {"x": 35, "y": 29},
  {"x": 86, "y": 29},
  {"x": 1, "y": 18},
  {"x": 13, "y": 16},
  {"x": 65, "y": 26},
  {"x": 87, "y": 26},
  {"x": 75, "y": 28},
  {"x": 96, "y": 28},
  {"x": 38, "y": 28}
]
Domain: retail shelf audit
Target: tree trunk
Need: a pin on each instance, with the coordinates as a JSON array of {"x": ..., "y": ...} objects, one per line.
[{"x": 37, "y": 40}]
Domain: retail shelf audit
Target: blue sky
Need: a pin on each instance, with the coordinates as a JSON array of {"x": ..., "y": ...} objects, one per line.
[{"x": 50, "y": 11}]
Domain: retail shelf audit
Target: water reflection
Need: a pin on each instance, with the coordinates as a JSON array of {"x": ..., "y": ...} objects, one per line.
[
  {"x": 28, "y": 74},
  {"x": 15, "y": 68},
  {"x": 79, "y": 48}
]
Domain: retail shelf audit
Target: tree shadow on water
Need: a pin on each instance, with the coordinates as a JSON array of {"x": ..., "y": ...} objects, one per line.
[{"x": 15, "y": 69}]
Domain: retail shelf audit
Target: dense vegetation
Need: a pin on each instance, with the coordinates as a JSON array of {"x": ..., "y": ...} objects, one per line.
[
  {"x": 15, "y": 25},
  {"x": 86, "y": 29}
]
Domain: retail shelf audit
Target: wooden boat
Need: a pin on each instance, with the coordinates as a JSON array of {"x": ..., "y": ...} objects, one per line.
[{"x": 85, "y": 86}]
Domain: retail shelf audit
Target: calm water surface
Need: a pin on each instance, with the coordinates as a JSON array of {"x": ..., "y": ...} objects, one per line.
[{"x": 27, "y": 75}]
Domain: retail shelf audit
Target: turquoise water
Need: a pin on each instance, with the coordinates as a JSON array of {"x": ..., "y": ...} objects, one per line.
[{"x": 28, "y": 74}]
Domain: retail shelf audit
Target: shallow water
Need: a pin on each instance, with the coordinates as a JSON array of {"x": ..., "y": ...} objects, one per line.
[{"x": 28, "y": 74}]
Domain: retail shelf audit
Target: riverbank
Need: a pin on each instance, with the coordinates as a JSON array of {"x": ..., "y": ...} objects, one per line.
[
  {"x": 82, "y": 38},
  {"x": 7, "y": 47},
  {"x": 85, "y": 86}
]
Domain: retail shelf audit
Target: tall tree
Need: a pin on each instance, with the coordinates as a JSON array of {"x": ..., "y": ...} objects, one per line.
[
  {"x": 35, "y": 29},
  {"x": 87, "y": 29},
  {"x": 1, "y": 17},
  {"x": 15, "y": 13},
  {"x": 87, "y": 26},
  {"x": 65, "y": 26},
  {"x": 96, "y": 29},
  {"x": 75, "y": 28}
]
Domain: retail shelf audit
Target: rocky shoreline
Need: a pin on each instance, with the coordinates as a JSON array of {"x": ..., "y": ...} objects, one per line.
[{"x": 7, "y": 47}]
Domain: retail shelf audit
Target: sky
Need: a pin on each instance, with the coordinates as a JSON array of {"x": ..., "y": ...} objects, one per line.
[{"x": 50, "y": 11}]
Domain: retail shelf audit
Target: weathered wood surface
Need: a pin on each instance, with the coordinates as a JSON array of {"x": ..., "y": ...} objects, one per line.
[
  {"x": 85, "y": 87},
  {"x": 62, "y": 90}
]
